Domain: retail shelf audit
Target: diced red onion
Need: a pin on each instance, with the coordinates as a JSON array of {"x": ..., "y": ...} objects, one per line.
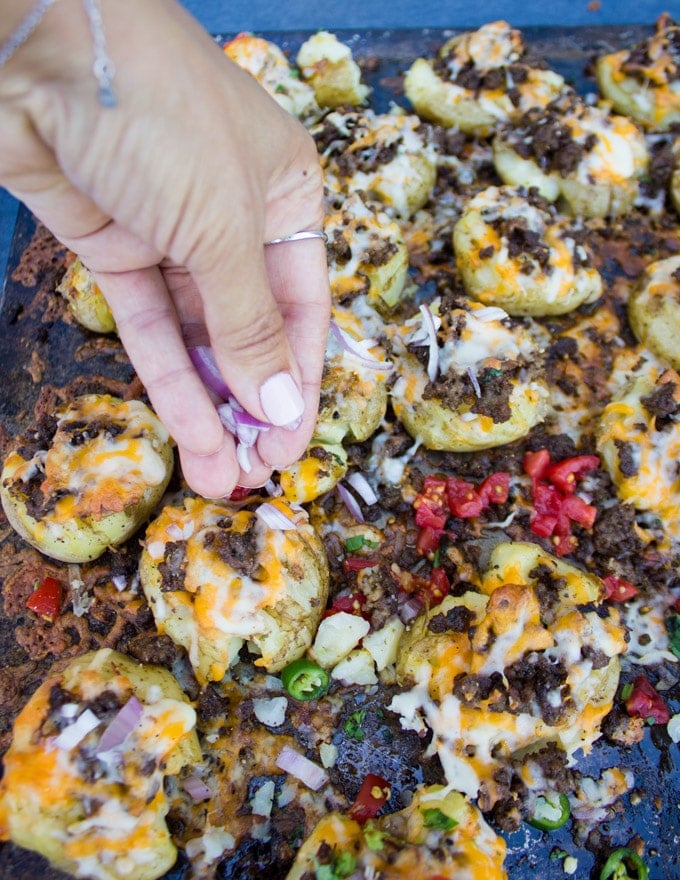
[
  {"x": 360, "y": 483},
  {"x": 475, "y": 383},
  {"x": 206, "y": 366},
  {"x": 272, "y": 489},
  {"x": 243, "y": 457},
  {"x": 309, "y": 773},
  {"x": 119, "y": 581},
  {"x": 274, "y": 517},
  {"x": 433, "y": 355},
  {"x": 490, "y": 313},
  {"x": 75, "y": 733},
  {"x": 350, "y": 502},
  {"x": 196, "y": 788},
  {"x": 175, "y": 532},
  {"x": 408, "y": 607},
  {"x": 468, "y": 417},
  {"x": 358, "y": 349},
  {"x": 121, "y": 725}
]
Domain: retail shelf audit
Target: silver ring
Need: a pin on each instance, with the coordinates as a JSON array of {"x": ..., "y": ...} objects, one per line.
[{"x": 303, "y": 235}]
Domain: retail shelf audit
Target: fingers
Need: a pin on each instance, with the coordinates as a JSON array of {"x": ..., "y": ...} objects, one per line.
[{"x": 149, "y": 330}]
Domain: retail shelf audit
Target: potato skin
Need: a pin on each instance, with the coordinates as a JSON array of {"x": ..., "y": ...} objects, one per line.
[
  {"x": 654, "y": 310},
  {"x": 85, "y": 299},
  {"x": 327, "y": 65},
  {"x": 645, "y": 92},
  {"x": 94, "y": 506},
  {"x": 43, "y": 793},
  {"x": 234, "y": 579},
  {"x": 555, "y": 282}
]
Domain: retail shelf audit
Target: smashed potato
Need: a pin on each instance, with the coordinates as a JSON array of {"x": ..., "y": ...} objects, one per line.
[
  {"x": 643, "y": 82},
  {"x": 83, "y": 777},
  {"x": 327, "y": 65},
  {"x": 93, "y": 482},
  {"x": 85, "y": 299},
  {"x": 654, "y": 310},
  {"x": 479, "y": 80},
  {"x": 514, "y": 252},
  {"x": 439, "y": 833},
  {"x": 487, "y": 390},
  {"x": 587, "y": 158},
  {"x": 216, "y": 577},
  {"x": 532, "y": 659}
]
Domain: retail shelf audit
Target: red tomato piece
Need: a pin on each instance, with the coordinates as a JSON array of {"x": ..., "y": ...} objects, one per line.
[
  {"x": 428, "y": 540},
  {"x": 439, "y": 586},
  {"x": 372, "y": 797},
  {"x": 564, "y": 474},
  {"x": 536, "y": 464},
  {"x": 617, "y": 589},
  {"x": 495, "y": 488},
  {"x": 357, "y": 563},
  {"x": 430, "y": 505},
  {"x": 464, "y": 500},
  {"x": 239, "y": 493},
  {"x": 646, "y": 702},
  {"x": 579, "y": 511},
  {"x": 45, "y": 600}
]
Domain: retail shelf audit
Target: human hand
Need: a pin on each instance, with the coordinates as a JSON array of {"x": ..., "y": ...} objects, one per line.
[{"x": 168, "y": 198}]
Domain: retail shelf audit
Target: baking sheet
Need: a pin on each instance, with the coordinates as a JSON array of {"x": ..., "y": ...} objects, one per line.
[{"x": 33, "y": 342}]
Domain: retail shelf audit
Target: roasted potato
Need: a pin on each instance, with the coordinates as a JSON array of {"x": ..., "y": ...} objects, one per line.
[
  {"x": 642, "y": 81},
  {"x": 532, "y": 659},
  {"x": 639, "y": 441},
  {"x": 327, "y": 65},
  {"x": 439, "y": 833},
  {"x": 366, "y": 253},
  {"x": 216, "y": 577},
  {"x": 93, "y": 482},
  {"x": 488, "y": 390},
  {"x": 654, "y": 310},
  {"x": 267, "y": 63},
  {"x": 514, "y": 252},
  {"x": 85, "y": 299},
  {"x": 383, "y": 155},
  {"x": 479, "y": 80},
  {"x": 584, "y": 156},
  {"x": 90, "y": 801}
]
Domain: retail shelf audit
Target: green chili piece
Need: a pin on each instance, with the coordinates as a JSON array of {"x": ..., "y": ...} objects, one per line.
[
  {"x": 305, "y": 680},
  {"x": 551, "y": 811},
  {"x": 624, "y": 864}
]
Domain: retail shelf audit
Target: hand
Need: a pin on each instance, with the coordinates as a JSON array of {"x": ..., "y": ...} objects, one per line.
[{"x": 168, "y": 198}]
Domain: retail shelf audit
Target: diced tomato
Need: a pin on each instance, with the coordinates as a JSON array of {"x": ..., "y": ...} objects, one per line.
[
  {"x": 495, "y": 488},
  {"x": 617, "y": 589},
  {"x": 563, "y": 545},
  {"x": 428, "y": 540},
  {"x": 357, "y": 563},
  {"x": 464, "y": 500},
  {"x": 430, "y": 505},
  {"x": 646, "y": 702},
  {"x": 578, "y": 510},
  {"x": 350, "y": 604},
  {"x": 564, "y": 474},
  {"x": 439, "y": 586},
  {"x": 536, "y": 464},
  {"x": 46, "y": 598},
  {"x": 372, "y": 797},
  {"x": 676, "y": 605}
]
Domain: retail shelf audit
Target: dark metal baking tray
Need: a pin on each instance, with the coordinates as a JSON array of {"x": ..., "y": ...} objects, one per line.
[{"x": 28, "y": 333}]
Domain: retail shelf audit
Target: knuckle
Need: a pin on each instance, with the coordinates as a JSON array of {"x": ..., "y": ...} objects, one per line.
[{"x": 257, "y": 340}]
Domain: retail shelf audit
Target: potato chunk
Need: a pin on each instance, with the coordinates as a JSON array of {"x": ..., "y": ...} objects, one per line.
[
  {"x": 95, "y": 483},
  {"x": 654, "y": 310},
  {"x": 91, "y": 802}
]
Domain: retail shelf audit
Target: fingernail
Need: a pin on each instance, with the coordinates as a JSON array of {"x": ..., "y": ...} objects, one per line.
[{"x": 281, "y": 400}]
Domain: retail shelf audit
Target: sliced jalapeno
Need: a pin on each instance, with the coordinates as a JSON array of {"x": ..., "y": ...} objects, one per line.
[
  {"x": 305, "y": 680},
  {"x": 624, "y": 864},
  {"x": 551, "y": 811}
]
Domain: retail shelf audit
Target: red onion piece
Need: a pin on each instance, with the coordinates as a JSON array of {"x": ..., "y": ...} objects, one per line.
[
  {"x": 431, "y": 328},
  {"x": 475, "y": 383},
  {"x": 206, "y": 366},
  {"x": 359, "y": 483},
  {"x": 121, "y": 725},
  {"x": 350, "y": 503},
  {"x": 356, "y": 349},
  {"x": 309, "y": 773},
  {"x": 75, "y": 733},
  {"x": 274, "y": 517},
  {"x": 408, "y": 607},
  {"x": 196, "y": 788}
]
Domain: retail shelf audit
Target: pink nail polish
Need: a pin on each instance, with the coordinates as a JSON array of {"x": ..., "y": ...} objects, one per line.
[{"x": 281, "y": 400}]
